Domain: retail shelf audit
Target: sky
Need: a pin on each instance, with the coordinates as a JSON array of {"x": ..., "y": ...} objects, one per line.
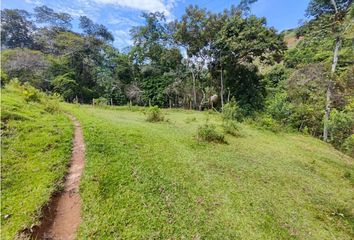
[{"x": 120, "y": 15}]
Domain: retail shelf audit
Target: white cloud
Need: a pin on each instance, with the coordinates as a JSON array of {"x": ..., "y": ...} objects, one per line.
[
  {"x": 122, "y": 38},
  {"x": 35, "y": 2},
  {"x": 71, "y": 11},
  {"x": 122, "y": 21},
  {"x": 143, "y": 5}
]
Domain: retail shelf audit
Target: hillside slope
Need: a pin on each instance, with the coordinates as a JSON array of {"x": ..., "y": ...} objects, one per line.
[
  {"x": 35, "y": 150},
  {"x": 290, "y": 38},
  {"x": 155, "y": 181}
]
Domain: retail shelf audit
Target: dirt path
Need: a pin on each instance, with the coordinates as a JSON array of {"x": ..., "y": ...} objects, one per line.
[{"x": 62, "y": 215}]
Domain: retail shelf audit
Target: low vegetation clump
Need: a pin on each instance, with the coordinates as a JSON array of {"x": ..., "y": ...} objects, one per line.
[
  {"x": 232, "y": 128},
  {"x": 268, "y": 123},
  {"x": 154, "y": 114},
  {"x": 348, "y": 145},
  {"x": 231, "y": 111},
  {"x": 101, "y": 101},
  {"x": 341, "y": 126},
  {"x": 209, "y": 133},
  {"x": 36, "y": 148}
]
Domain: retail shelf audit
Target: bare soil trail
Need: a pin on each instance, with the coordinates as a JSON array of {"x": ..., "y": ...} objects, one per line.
[{"x": 62, "y": 216}]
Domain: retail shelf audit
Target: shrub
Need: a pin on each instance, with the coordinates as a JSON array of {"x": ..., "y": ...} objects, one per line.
[
  {"x": 231, "y": 111},
  {"x": 280, "y": 108},
  {"x": 208, "y": 133},
  {"x": 154, "y": 114},
  {"x": 4, "y": 78},
  {"x": 101, "y": 101},
  {"x": 31, "y": 94},
  {"x": 348, "y": 146},
  {"x": 340, "y": 126},
  {"x": 231, "y": 128},
  {"x": 268, "y": 123},
  {"x": 52, "y": 106}
]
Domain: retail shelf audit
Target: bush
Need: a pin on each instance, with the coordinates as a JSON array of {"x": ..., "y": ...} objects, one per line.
[
  {"x": 348, "y": 146},
  {"x": 232, "y": 111},
  {"x": 231, "y": 128},
  {"x": 209, "y": 133},
  {"x": 31, "y": 94},
  {"x": 340, "y": 126},
  {"x": 280, "y": 108},
  {"x": 268, "y": 123},
  {"x": 154, "y": 114},
  {"x": 101, "y": 101},
  {"x": 4, "y": 78},
  {"x": 52, "y": 106}
]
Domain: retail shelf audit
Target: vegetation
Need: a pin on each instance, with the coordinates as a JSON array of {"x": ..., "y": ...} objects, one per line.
[
  {"x": 209, "y": 133},
  {"x": 232, "y": 128},
  {"x": 241, "y": 163},
  {"x": 158, "y": 182},
  {"x": 297, "y": 87},
  {"x": 36, "y": 148},
  {"x": 154, "y": 114}
]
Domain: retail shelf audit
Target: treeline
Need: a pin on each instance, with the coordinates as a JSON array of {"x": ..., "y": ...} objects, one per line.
[
  {"x": 199, "y": 61},
  {"x": 219, "y": 50}
]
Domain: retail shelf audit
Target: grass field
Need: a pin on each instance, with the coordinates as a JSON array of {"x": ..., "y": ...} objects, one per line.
[
  {"x": 36, "y": 147},
  {"x": 155, "y": 181}
]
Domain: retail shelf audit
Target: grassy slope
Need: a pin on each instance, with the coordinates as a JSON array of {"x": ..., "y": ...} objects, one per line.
[
  {"x": 153, "y": 181},
  {"x": 36, "y": 147}
]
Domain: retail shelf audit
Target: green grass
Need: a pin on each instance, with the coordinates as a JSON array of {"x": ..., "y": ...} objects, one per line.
[
  {"x": 36, "y": 148},
  {"x": 156, "y": 181}
]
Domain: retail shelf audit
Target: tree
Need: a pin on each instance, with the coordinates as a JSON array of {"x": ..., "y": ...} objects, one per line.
[
  {"x": 305, "y": 88},
  {"x": 155, "y": 56},
  {"x": 95, "y": 30},
  {"x": 66, "y": 86},
  {"x": 239, "y": 43},
  {"x": 337, "y": 9},
  {"x": 26, "y": 65},
  {"x": 245, "y": 6},
  {"x": 191, "y": 34},
  {"x": 150, "y": 39},
  {"x": 16, "y": 28},
  {"x": 61, "y": 21}
]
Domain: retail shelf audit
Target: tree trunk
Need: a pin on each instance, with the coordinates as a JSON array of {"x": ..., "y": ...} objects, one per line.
[
  {"x": 221, "y": 87},
  {"x": 330, "y": 88},
  {"x": 194, "y": 91}
]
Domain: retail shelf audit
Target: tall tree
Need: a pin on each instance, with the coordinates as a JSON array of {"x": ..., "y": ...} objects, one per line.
[
  {"x": 16, "y": 28},
  {"x": 150, "y": 39},
  {"x": 240, "y": 42},
  {"x": 191, "y": 34},
  {"x": 46, "y": 15},
  {"x": 94, "y": 30},
  {"x": 337, "y": 9}
]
